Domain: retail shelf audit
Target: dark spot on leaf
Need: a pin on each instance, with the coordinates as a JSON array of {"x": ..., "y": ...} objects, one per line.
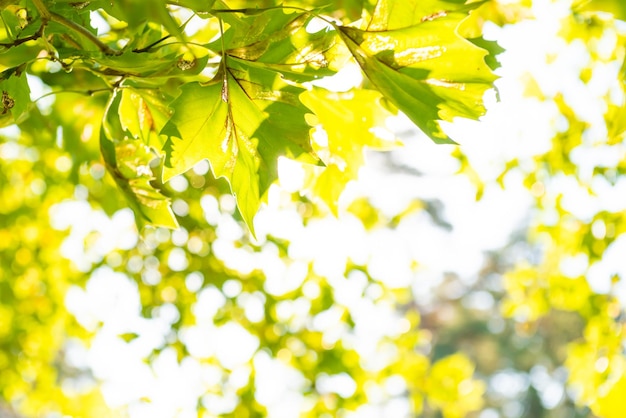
[
  {"x": 7, "y": 102},
  {"x": 434, "y": 16},
  {"x": 185, "y": 64},
  {"x": 79, "y": 4}
]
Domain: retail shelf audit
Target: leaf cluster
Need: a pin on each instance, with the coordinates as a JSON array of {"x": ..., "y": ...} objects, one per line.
[{"x": 235, "y": 83}]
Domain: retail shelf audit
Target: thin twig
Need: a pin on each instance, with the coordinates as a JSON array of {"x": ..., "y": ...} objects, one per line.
[
  {"x": 153, "y": 44},
  {"x": 225, "y": 97},
  {"x": 84, "y": 32},
  {"x": 20, "y": 41},
  {"x": 43, "y": 11},
  {"x": 47, "y": 16}
]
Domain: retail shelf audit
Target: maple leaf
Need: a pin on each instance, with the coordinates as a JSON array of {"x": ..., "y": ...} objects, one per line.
[
  {"x": 130, "y": 162},
  {"x": 414, "y": 55},
  {"x": 241, "y": 127}
]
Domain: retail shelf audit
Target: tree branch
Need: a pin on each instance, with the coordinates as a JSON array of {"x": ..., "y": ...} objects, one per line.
[
  {"x": 82, "y": 31},
  {"x": 20, "y": 41},
  {"x": 43, "y": 11},
  {"x": 47, "y": 16}
]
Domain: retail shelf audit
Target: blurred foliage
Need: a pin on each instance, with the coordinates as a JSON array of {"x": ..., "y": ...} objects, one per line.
[
  {"x": 102, "y": 318},
  {"x": 582, "y": 239}
]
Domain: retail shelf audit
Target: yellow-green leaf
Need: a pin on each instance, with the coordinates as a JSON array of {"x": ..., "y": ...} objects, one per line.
[
  {"x": 131, "y": 162},
  {"x": 426, "y": 69},
  {"x": 241, "y": 128}
]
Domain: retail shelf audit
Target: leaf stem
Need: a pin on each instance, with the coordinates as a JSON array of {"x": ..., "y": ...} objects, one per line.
[
  {"x": 223, "y": 64},
  {"x": 43, "y": 11},
  {"x": 164, "y": 38},
  {"x": 153, "y": 44},
  {"x": 20, "y": 41}
]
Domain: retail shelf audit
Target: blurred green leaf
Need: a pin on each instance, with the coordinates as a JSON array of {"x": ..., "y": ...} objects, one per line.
[
  {"x": 131, "y": 163},
  {"x": 15, "y": 95}
]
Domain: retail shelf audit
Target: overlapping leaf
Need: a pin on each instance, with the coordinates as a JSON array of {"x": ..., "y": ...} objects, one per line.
[
  {"x": 242, "y": 123},
  {"x": 143, "y": 113},
  {"x": 616, "y": 7},
  {"x": 165, "y": 60},
  {"x": 251, "y": 114},
  {"x": 351, "y": 121},
  {"x": 14, "y": 96},
  {"x": 130, "y": 161},
  {"x": 17, "y": 33},
  {"x": 279, "y": 40},
  {"x": 136, "y": 12},
  {"x": 412, "y": 52}
]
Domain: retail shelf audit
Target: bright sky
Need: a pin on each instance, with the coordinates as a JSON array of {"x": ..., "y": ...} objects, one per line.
[{"x": 514, "y": 127}]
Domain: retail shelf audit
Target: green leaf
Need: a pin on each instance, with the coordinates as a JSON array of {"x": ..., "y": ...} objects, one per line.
[
  {"x": 350, "y": 10},
  {"x": 398, "y": 14},
  {"x": 136, "y": 12},
  {"x": 18, "y": 55},
  {"x": 131, "y": 163},
  {"x": 492, "y": 47},
  {"x": 164, "y": 62},
  {"x": 241, "y": 127},
  {"x": 143, "y": 113},
  {"x": 427, "y": 70},
  {"x": 279, "y": 40},
  {"x": 196, "y": 5},
  {"x": 15, "y": 95},
  {"x": 12, "y": 24},
  {"x": 616, "y": 7}
]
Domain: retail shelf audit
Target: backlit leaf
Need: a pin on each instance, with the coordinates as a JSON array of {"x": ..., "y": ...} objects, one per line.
[
  {"x": 616, "y": 7},
  {"x": 423, "y": 66},
  {"x": 131, "y": 162},
  {"x": 279, "y": 40},
  {"x": 241, "y": 127},
  {"x": 14, "y": 96},
  {"x": 399, "y": 14},
  {"x": 351, "y": 121}
]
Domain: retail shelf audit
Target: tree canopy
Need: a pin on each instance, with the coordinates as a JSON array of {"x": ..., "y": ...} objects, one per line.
[
  {"x": 249, "y": 281},
  {"x": 231, "y": 82}
]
